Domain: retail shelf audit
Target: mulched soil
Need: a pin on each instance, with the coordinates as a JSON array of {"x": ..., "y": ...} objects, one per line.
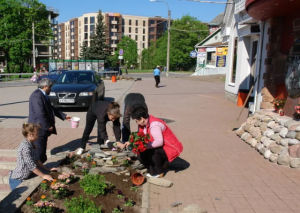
[{"x": 109, "y": 201}]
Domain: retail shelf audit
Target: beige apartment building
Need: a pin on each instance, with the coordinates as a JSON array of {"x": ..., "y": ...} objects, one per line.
[{"x": 73, "y": 33}]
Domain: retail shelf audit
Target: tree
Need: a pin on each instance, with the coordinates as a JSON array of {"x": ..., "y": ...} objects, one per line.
[
  {"x": 83, "y": 50},
  {"x": 98, "y": 49},
  {"x": 148, "y": 55},
  {"x": 129, "y": 47}
]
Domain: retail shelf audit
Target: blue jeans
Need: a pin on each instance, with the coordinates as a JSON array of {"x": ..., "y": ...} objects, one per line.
[{"x": 13, "y": 183}]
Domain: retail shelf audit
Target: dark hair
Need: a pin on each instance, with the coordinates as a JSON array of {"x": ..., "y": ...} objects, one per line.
[
  {"x": 139, "y": 111},
  {"x": 29, "y": 128},
  {"x": 114, "y": 109}
]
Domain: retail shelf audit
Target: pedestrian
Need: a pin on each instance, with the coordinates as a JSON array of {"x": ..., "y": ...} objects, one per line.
[
  {"x": 88, "y": 67},
  {"x": 42, "y": 112},
  {"x": 126, "y": 70},
  {"x": 131, "y": 67},
  {"x": 102, "y": 112},
  {"x": 163, "y": 147},
  {"x": 156, "y": 73},
  {"x": 27, "y": 158},
  {"x": 33, "y": 79}
]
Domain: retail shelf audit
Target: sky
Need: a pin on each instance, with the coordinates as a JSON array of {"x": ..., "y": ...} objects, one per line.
[{"x": 69, "y": 9}]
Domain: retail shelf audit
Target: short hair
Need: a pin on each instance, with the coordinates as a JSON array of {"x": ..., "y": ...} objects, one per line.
[
  {"x": 30, "y": 128},
  {"x": 114, "y": 109},
  {"x": 139, "y": 111},
  {"x": 45, "y": 82}
]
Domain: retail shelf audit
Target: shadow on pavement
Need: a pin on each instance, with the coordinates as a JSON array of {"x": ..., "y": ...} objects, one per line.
[
  {"x": 178, "y": 165},
  {"x": 19, "y": 102},
  {"x": 7, "y": 204},
  {"x": 109, "y": 99},
  {"x": 3, "y": 117}
]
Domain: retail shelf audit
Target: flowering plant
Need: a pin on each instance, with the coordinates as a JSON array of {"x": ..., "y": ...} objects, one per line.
[
  {"x": 44, "y": 207},
  {"x": 138, "y": 142},
  {"x": 29, "y": 202},
  {"x": 66, "y": 177},
  {"x": 128, "y": 202},
  {"x": 71, "y": 157},
  {"x": 278, "y": 103},
  {"x": 85, "y": 170},
  {"x": 44, "y": 185},
  {"x": 120, "y": 194},
  {"x": 127, "y": 162},
  {"x": 117, "y": 209},
  {"x": 59, "y": 190},
  {"x": 89, "y": 157},
  {"x": 94, "y": 164},
  {"x": 114, "y": 160},
  {"x": 297, "y": 108}
]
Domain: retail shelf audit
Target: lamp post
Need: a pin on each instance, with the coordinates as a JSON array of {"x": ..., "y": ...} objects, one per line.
[
  {"x": 33, "y": 42},
  {"x": 169, "y": 35}
]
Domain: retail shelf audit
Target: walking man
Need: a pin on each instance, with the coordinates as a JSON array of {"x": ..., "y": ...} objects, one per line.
[
  {"x": 42, "y": 112},
  {"x": 156, "y": 73}
]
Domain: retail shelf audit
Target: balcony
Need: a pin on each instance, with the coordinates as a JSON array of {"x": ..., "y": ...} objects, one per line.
[
  {"x": 114, "y": 22},
  {"x": 114, "y": 38},
  {"x": 239, "y": 6},
  {"x": 114, "y": 30},
  {"x": 113, "y": 45}
]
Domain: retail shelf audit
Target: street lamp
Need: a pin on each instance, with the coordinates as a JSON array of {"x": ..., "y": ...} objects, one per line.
[
  {"x": 169, "y": 28},
  {"x": 33, "y": 41}
]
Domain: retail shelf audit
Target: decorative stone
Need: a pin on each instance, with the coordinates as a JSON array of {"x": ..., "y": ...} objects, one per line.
[
  {"x": 284, "y": 151},
  {"x": 275, "y": 149},
  {"x": 293, "y": 142},
  {"x": 103, "y": 169},
  {"x": 109, "y": 162},
  {"x": 290, "y": 123},
  {"x": 251, "y": 120},
  {"x": 248, "y": 128},
  {"x": 297, "y": 129},
  {"x": 100, "y": 162},
  {"x": 295, "y": 163},
  {"x": 291, "y": 134},
  {"x": 249, "y": 139},
  {"x": 271, "y": 124},
  {"x": 127, "y": 174},
  {"x": 108, "y": 158},
  {"x": 293, "y": 151},
  {"x": 268, "y": 133},
  {"x": 259, "y": 138},
  {"x": 78, "y": 163},
  {"x": 258, "y": 146},
  {"x": 244, "y": 125},
  {"x": 273, "y": 158},
  {"x": 245, "y": 136},
  {"x": 263, "y": 127},
  {"x": 267, "y": 154},
  {"x": 100, "y": 155},
  {"x": 277, "y": 128},
  {"x": 136, "y": 163},
  {"x": 284, "y": 142},
  {"x": 267, "y": 143},
  {"x": 253, "y": 142},
  {"x": 266, "y": 119},
  {"x": 95, "y": 150},
  {"x": 297, "y": 136},
  {"x": 140, "y": 166},
  {"x": 264, "y": 138},
  {"x": 283, "y": 121},
  {"x": 262, "y": 150},
  {"x": 275, "y": 137},
  {"x": 284, "y": 160},
  {"x": 103, "y": 146},
  {"x": 65, "y": 170},
  {"x": 255, "y": 132},
  {"x": 160, "y": 182},
  {"x": 121, "y": 154},
  {"x": 257, "y": 123},
  {"x": 283, "y": 132},
  {"x": 294, "y": 126}
]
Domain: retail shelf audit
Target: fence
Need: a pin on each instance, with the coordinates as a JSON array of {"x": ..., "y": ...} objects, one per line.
[{"x": 17, "y": 79}]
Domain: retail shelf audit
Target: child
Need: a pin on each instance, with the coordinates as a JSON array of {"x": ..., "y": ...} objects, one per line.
[
  {"x": 27, "y": 158},
  {"x": 34, "y": 78}
]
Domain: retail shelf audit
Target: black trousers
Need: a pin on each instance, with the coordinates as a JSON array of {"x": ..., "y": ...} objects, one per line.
[
  {"x": 157, "y": 80},
  {"x": 41, "y": 145},
  {"x": 153, "y": 160},
  {"x": 90, "y": 122}
]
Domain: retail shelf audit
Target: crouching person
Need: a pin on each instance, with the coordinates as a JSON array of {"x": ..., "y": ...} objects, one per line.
[{"x": 27, "y": 158}]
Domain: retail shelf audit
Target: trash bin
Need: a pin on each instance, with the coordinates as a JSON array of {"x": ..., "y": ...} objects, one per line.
[
  {"x": 113, "y": 78},
  {"x": 242, "y": 95}
]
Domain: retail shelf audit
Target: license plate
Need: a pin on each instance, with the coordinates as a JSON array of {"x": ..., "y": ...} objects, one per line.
[{"x": 66, "y": 100}]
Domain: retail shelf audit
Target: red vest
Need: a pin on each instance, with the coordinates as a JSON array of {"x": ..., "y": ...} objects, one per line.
[{"x": 172, "y": 145}]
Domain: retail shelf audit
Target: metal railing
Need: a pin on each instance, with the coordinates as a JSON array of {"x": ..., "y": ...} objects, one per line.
[{"x": 17, "y": 79}]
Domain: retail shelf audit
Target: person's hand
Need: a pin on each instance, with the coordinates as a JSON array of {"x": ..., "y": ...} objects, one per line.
[
  {"x": 119, "y": 144},
  {"x": 48, "y": 177},
  {"x": 68, "y": 117},
  {"x": 54, "y": 169},
  {"x": 50, "y": 129},
  {"x": 126, "y": 144}
]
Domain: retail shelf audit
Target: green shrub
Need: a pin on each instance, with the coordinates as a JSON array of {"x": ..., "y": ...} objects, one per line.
[
  {"x": 93, "y": 184},
  {"x": 80, "y": 205}
]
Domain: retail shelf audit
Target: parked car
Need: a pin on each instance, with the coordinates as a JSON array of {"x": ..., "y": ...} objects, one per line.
[
  {"x": 77, "y": 89},
  {"x": 53, "y": 75},
  {"x": 107, "y": 71}
]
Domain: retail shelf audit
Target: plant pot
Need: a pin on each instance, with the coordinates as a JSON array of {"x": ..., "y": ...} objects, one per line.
[{"x": 137, "y": 178}]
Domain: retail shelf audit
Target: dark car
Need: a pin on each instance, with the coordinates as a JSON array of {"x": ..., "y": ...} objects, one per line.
[
  {"x": 110, "y": 72},
  {"x": 53, "y": 75},
  {"x": 77, "y": 89}
]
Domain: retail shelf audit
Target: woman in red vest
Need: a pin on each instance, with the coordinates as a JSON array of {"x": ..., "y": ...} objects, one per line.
[{"x": 163, "y": 146}]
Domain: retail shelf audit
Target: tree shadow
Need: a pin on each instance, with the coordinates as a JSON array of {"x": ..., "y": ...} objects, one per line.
[
  {"x": 178, "y": 165},
  {"x": 7, "y": 205}
]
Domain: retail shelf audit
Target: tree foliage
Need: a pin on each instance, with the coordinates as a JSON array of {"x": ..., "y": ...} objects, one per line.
[
  {"x": 16, "y": 17},
  {"x": 185, "y": 34}
]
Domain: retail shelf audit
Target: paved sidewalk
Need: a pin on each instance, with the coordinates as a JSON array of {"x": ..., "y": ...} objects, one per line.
[{"x": 225, "y": 174}]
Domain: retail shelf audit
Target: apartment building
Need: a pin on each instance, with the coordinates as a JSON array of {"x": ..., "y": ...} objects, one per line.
[{"x": 73, "y": 33}]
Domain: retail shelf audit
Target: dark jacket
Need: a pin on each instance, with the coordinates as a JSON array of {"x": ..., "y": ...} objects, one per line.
[
  {"x": 99, "y": 109},
  {"x": 42, "y": 112}
]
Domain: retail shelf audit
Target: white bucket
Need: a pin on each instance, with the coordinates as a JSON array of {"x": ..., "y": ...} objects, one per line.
[{"x": 75, "y": 122}]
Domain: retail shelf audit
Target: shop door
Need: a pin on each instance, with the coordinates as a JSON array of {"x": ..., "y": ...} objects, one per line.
[{"x": 253, "y": 62}]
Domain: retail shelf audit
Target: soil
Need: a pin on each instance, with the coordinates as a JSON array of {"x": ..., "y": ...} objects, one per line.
[{"x": 109, "y": 201}]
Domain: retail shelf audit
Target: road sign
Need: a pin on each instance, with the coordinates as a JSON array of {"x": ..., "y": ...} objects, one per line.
[
  {"x": 121, "y": 52},
  {"x": 120, "y": 57},
  {"x": 193, "y": 54}
]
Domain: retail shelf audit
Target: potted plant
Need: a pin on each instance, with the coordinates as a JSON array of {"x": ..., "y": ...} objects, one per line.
[{"x": 278, "y": 105}]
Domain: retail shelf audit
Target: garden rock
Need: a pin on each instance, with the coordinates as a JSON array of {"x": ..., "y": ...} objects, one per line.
[
  {"x": 297, "y": 136},
  {"x": 283, "y": 121},
  {"x": 266, "y": 119},
  {"x": 259, "y": 146},
  {"x": 245, "y": 136},
  {"x": 283, "y": 132},
  {"x": 294, "y": 126},
  {"x": 100, "y": 155},
  {"x": 262, "y": 150},
  {"x": 263, "y": 127},
  {"x": 127, "y": 174},
  {"x": 160, "y": 182},
  {"x": 275, "y": 149},
  {"x": 293, "y": 151},
  {"x": 253, "y": 142},
  {"x": 263, "y": 139},
  {"x": 249, "y": 139},
  {"x": 255, "y": 132},
  {"x": 297, "y": 129},
  {"x": 284, "y": 142},
  {"x": 103, "y": 146},
  {"x": 259, "y": 138},
  {"x": 121, "y": 154},
  {"x": 136, "y": 163},
  {"x": 121, "y": 168},
  {"x": 257, "y": 123},
  {"x": 293, "y": 142},
  {"x": 78, "y": 163},
  {"x": 291, "y": 134},
  {"x": 295, "y": 163},
  {"x": 269, "y": 133},
  {"x": 109, "y": 162},
  {"x": 240, "y": 132},
  {"x": 271, "y": 124},
  {"x": 65, "y": 170},
  {"x": 96, "y": 170},
  {"x": 290, "y": 123},
  {"x": 267, "y": 143},
  {"x": 277, "y": 129},
  {"x": 108, "y": 158},
  {"x": 267, "y": 154},
  {"x": 100, "y": 162},
  {"x": 193, "y": 208},
  {"x": 244, "y": 125},
  {"x": 273, "y": 158},
  {"x": 284, "y": 151},
  {"x": 284, "y": 160},
  {"x": 95, "y": 150},
  {"x": 248, "y": 128},
  {"x": 276, "y": 137}
]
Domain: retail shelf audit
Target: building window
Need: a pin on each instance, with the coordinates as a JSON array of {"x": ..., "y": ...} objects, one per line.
[
  {"x": 129, "y": 29},
  {"x": 79, "y": 30},
  {"x": 151, "y": 37},
  {"x": 129, "y": 21},
  {"x": 143, "y": 45},
  {"x": 211, "y": 58},
  {"x": 85, "y": 20},
  {"x": 92, "y": 20},
  {"x": 92, "y": 28},
  {"x": 144, "y": 23},
  {"x": 79, "y": 23},
  {"x": 136, "y": 22},
  {"x": 233, "y": 70},
  {"x": 129, "y": 36},
  {"x": 86, "y": 28},
  {"x": 151, "y": 22},
  {"x": 136, "y": 37},
  {"x": 143, "y": 38},
  {"x": 144, "y": 31},
  {"x": 122, "y": 29},
  {"x": 86, "y": 36},
  {"x": 136, "y": 30},
  {"x": 151, "y": 30},
  {"x": 91, "y": 33}
]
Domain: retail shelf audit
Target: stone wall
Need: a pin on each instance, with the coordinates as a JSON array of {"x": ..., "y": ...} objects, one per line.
[
  {"x": 274, "y": 74},
  {"x": 231, "y": 96},
  {"x": 275, "y": 137}
]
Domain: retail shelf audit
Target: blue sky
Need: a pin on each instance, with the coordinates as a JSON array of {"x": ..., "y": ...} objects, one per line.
[{"x": 204, "y": 12}]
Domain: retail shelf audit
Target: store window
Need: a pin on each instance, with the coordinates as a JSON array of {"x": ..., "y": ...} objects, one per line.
[
  {"x": 233, "y": 69},
  {"x": 211, "y": 58}
]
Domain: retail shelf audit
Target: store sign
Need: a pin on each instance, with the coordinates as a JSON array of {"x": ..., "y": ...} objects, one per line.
[
  {"x": 222, "y": 51},
  {"x": 221, "y": 61},
  {"x": 193, "y": 54},
  {"x": 211, "y": 49},
  {"x": 114, "y": 14}
]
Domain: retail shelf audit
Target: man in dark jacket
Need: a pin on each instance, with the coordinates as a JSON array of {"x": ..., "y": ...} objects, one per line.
[{"x": 42, "y": 112}]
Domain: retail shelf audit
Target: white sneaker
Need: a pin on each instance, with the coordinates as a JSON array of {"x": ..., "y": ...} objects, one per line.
[
  {"x": 154, "y": 176},
  {"x": 80, "y": 151},
  {"x": 106, "y": 142}
]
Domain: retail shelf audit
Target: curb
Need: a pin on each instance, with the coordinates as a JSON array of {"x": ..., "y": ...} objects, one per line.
[
  {"x": 145, "y": 199},
  {"x": 14, "y": 152}
]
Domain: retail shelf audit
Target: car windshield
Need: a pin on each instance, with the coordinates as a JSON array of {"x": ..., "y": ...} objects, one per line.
[
  {"x": 76, "y": 77},
  {"x": 56, "y": 72}
]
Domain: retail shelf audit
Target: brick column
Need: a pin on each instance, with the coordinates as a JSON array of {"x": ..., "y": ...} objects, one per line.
[{"x": 272, "y": 75}]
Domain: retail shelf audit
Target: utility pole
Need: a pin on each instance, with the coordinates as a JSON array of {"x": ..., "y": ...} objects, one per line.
[
  {"x": 169, "y": 38},
  {"x": 33, "y": 46}
]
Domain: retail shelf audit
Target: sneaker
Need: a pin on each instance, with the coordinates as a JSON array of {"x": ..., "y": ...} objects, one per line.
[
  {"x": 80, "y": 151},
  {"x": 155, "y": 176}
]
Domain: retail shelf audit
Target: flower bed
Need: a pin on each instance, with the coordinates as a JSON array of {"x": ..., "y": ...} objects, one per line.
[{"x": 109, "y": 192}]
